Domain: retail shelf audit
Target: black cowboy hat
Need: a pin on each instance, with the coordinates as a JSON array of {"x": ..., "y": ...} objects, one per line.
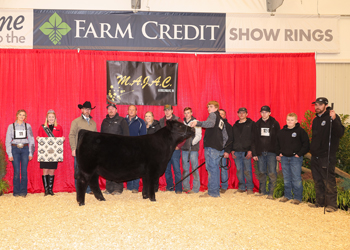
[{"x": 86, "y": 104}]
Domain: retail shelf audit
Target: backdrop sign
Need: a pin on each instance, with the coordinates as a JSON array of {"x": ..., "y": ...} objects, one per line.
[
  {"x": 141, "y": 83},
  {"x": 16, "y": 28},
  {"x": 113, "y": 30},
  {"x": 261, "y": 33}
]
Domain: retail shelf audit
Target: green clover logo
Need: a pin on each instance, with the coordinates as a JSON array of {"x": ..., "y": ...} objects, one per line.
[{"x": 55, "y": 28}]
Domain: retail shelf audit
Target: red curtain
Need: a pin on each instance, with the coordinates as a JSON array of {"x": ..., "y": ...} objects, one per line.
[{"x": 39, "y": 80}]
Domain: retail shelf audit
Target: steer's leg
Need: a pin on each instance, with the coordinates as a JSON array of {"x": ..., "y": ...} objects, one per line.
[
  {"x": 81, "y": 189},
  {"x": 145, "y": 182},
  {"x": 95, "y": 188},
  {"x": 153, "y": 178}
]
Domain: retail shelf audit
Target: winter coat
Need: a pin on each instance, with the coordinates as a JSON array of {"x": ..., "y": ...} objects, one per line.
[
  {"x": 137, "y": 126},
  {"x": 115, "y": 125},
  {"x": 320, "y": 135},
  {"x": 155, "y": 126},
  {"x": 77, "y": 124}
]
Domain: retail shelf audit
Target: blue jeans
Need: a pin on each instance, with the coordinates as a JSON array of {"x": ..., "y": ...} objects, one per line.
[
  {"x": 134, "y": 184},
  {"x": 267, "y": 166},
  {"x": 175, "y": 161},
  {"x": 244, "y": 171},
  {"x": 224, "y": 173},
  {"x": 291, "y": 169},
  {"x": 186, "y": 171},
  {"x": 20, "y": 164},
  {"x": 88, "y": 189},
  {"x": 212, "y": 159}
]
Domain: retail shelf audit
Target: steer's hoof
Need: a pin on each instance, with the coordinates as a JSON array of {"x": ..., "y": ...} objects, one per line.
[
  {"x": 102, "y": 199},
  {"x": 145, "y": 196},
  {"x": 154, "y": 199},
  {"x": 81, "y": 203}
]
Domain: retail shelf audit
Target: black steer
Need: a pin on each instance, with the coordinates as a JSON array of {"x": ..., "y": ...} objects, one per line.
[{"x": 124, "y": 158}]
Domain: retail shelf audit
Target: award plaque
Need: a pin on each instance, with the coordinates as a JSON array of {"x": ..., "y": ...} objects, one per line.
[{"x": 50, "y": 149}]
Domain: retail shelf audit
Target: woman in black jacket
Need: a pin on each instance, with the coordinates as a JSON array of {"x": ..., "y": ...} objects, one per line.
[{"x": 151, "y": 124}]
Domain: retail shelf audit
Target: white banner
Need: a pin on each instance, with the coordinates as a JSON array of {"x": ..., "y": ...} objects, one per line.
[
  {"x": 16, "y": 28},
  {"x": 281, "y": 33}
]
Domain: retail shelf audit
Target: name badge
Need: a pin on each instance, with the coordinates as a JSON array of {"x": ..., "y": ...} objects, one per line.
[
  {"x": 221, "y": 124},
  {"x": 265, "y": 131},
  {"x": 21, "y": 134}
]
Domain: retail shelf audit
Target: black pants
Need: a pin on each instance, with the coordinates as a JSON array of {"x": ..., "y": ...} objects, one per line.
[
  {"x": 112, "y": 186},
  {"x": 319, "y": 174}
]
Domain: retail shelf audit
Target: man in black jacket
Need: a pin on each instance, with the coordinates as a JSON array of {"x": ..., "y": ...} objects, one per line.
[
  {"x": 228, "y": 148},
  {"x": 319, "y": 151},
  {"x": 264, "y": 150},
  {"x": 292, "y": 145},
  {"x": 243, "y": 135},
  {"x": 114, "y": 124}
]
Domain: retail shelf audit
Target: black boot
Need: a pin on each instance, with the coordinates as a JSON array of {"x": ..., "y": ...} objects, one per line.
[
  {"x": 46, "y": 184},
  {"x": 50, "y": 179}
]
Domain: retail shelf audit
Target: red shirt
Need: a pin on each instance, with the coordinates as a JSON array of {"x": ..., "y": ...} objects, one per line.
[{"x": 57, "y": 131}]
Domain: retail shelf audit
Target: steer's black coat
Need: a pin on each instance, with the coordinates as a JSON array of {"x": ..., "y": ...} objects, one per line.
[{"x": 123, "y": 158}]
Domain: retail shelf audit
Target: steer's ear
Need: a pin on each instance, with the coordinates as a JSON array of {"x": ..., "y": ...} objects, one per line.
[{"x": 169, "y": 124}]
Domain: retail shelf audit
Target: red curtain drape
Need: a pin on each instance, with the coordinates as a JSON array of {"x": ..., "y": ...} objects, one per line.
[{"x": 39, "y": 80}]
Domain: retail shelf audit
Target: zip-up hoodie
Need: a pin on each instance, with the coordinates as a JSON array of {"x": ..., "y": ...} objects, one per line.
[
  {"x": 320, "y": 135},
  {"x": 265, "y": 141},
  {"x": 291, "y": 142}
]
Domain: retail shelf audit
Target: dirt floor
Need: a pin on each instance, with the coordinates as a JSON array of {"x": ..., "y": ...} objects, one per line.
[{"x": 175, "y": 221}]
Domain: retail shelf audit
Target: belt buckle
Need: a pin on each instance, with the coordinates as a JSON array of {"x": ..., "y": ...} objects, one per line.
[{"x": 20, "y": 145}]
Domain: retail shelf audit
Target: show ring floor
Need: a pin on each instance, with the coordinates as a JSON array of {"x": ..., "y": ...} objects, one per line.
[{"x": 175, "y": 221}]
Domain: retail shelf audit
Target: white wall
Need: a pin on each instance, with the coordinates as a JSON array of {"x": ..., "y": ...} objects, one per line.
[{"x": 314, "y": 7}]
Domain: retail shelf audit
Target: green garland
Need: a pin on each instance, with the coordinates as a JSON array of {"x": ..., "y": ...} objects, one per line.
[{"x": 4, "y": 185}]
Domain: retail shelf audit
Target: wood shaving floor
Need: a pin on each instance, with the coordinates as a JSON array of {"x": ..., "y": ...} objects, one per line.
[{"x": 175, "y": 221}]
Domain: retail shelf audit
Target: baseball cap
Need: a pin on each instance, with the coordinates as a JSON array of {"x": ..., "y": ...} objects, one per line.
[
  {"x": 242, "y": 109},
  {"x": 265, "y": 108},
  {"x": 111, "y": 104},
  {"x": 168, "y": 106},
  {"x": 322, "y": 100}
]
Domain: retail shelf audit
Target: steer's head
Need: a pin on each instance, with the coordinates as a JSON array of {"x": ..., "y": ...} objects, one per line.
[{"x": 179, "y": 130}]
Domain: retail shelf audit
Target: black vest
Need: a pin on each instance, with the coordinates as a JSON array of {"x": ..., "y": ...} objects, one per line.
[{"x": 213, "y": 136}]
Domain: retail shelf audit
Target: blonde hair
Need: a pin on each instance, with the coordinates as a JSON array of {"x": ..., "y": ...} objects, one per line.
[
  {"x": 215, "y": 103},
  {"x": 150, "y": 112},
  {"x": 20, "y": 111},
  {"x": 293, "y": 115},
  {"x": 47, "y": 115}
]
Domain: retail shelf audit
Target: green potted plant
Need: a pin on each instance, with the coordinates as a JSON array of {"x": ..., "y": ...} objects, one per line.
[{"x": 4, "y": 185}]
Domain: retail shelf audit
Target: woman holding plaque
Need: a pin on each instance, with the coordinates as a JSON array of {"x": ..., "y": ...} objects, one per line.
[
  {"x": 49, "y": 129},
  {"x": 20, "y": 148}
]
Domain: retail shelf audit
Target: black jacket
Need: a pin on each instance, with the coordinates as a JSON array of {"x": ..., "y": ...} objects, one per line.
[
  {"x": 188, "y": 142},
  {"x": 228, "y": 146},
  {"x": 155, "y": 126},
  {"x": 116, "y": 125},
  {"x": 265, "y": 143},
  {"x": 320, "y": 135},
  {"x": 243, "y": 135},
  {"x": 291, "y": 142}
]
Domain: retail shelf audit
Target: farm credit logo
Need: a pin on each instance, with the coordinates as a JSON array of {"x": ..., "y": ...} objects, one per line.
[{"x": 55, "y": 28}]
